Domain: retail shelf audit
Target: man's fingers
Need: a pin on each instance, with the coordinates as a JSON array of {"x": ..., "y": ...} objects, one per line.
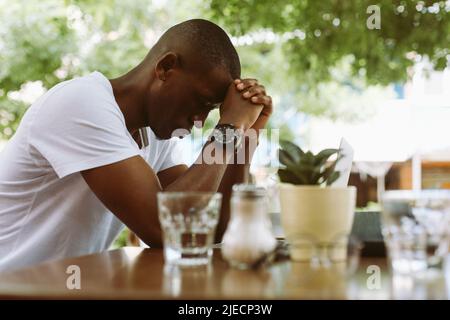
[
  {"x": 245, "y": 83},
  {"x": 253, "y": 91},
  {"x": 266, "y": 101}
]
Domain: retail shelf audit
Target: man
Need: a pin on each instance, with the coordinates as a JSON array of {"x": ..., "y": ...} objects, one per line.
[{"x": 76, "y": 171}]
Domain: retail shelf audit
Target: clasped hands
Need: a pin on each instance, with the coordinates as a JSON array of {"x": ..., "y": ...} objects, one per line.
[{"x": 246, "y": 105}]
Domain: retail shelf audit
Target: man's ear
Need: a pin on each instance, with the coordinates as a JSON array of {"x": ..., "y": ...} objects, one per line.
[{"x": 165, "y": 64}]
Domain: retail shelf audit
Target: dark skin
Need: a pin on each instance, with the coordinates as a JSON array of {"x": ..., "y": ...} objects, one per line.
[{"x": 163, "y": 95}]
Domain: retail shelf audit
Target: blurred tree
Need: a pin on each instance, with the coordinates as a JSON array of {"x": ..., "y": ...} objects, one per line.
[
  {"x": 323, "y": 60},
  {"x": 318, "y": 35},
  {"x": 49, "y": 41},
  {"x": 33, "y": 40},
  {"x": 316, "y": 57}
]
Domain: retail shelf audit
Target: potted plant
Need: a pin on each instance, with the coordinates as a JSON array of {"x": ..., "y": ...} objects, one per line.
[{"x": 314, "y": 214}]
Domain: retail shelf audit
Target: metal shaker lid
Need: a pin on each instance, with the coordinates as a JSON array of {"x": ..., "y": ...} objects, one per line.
[{"x": 248, "y": 191}]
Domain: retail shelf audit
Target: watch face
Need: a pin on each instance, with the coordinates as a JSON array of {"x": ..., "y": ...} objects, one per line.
[
  {"x": 218, "y": 136},
  {"x": 224, "y": 133}
]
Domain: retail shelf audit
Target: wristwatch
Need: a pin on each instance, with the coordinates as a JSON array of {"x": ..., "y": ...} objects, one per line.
[{"x": 226, "y": 134}]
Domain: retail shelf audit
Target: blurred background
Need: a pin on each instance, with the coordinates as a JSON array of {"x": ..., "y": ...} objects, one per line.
[{"x": 331, "y": 73}]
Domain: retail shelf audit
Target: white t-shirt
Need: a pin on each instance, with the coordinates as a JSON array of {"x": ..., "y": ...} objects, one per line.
[{"x": 47, "y": 211}]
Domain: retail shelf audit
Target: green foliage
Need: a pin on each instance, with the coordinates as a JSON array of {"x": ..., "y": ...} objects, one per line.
[
  {"x": 326, "y": 74},
  {"x": 121, "y": 240},
  {"x": 10, "y": 113},
  {"x": 345, "y": 97},
  {"x": 53, "y": 40},
  {"x": 329, "y": 31},
  {"x": 33, "y": 40},
  {"x": 305, "y": 168}
]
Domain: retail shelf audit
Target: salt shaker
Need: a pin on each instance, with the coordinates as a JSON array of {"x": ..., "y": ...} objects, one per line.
[{"x": 249, "y": 236}]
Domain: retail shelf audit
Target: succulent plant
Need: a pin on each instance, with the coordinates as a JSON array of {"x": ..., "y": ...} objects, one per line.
[{"x": 306, "y": 168}]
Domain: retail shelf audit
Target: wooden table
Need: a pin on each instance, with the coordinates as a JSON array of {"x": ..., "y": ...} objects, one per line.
[{"x": 137, "y": 273}]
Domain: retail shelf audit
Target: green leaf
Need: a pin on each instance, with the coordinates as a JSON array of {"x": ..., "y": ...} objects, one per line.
[
  {"x": 302, "y": 175},
  {"x": 333, "y": 177},
  {"x": 328, "y": 172},
  {"x": 309, "y": 158},
  {"x": 292, "y": 149},
  {"x": 305, "y": 168},
  {"x": 287, "y": 176},
  {"x": 306, "y": 172},
  {"x": 285, "y": 158},
  {"x": 323, "y": 156}
]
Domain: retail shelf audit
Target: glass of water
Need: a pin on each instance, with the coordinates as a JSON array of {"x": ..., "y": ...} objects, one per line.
[
  {"x": 188, "y": 221},
  {"x": 415, "y": 226}
]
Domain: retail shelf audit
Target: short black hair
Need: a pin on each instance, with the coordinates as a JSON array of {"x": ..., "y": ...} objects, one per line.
[{"x": 208, "y": 42}]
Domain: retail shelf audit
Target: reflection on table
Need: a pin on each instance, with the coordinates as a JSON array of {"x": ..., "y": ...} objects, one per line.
[{"x": 138, "y": 273}]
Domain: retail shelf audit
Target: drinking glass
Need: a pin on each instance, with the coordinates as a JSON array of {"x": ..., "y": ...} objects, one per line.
[
  {"x": 343, "y": 251},
  {"x": 415, "y": 226},
  {"x": 188, "y": 221}
]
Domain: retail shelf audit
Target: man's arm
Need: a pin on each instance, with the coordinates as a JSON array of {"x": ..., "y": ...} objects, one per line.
[
  {"x": 234, "y": 173},
  {"x": 128, "y": 188},
  {"x": 240, "y": 172},
  {"x": 169, "y": 175}
]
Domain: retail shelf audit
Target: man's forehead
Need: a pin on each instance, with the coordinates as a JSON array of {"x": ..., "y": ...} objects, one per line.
[{"x": 213, "y": 84}]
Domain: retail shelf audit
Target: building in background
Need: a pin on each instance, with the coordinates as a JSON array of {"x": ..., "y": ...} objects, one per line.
[{"x": 405, "y": 143}]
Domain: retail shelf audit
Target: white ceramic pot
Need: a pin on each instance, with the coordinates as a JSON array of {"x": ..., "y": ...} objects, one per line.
[{"x": 320, "y": 214}]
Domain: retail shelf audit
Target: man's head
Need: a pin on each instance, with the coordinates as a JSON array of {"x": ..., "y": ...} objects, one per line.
[{"x": 192, "y": 65}]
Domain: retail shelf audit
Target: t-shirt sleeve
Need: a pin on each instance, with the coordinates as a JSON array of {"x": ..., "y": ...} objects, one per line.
[
  {"x": 173, "y": 154},
  {"x": 79, "y": 127}
]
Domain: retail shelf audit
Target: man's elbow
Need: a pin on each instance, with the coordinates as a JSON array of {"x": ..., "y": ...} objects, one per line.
[{"x": 153, "y": 239}]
